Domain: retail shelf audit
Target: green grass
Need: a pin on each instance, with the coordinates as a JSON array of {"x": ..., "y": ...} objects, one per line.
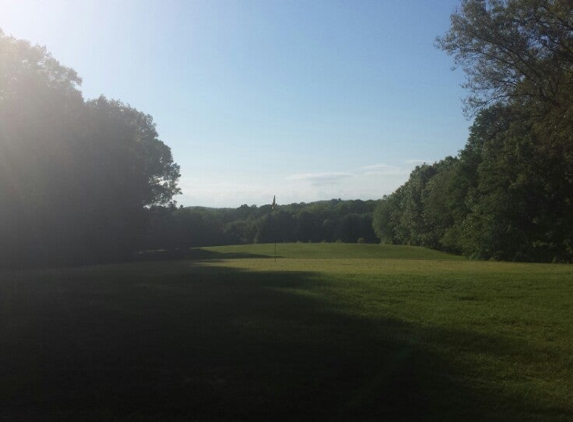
[
  {"x": 334, "y": 251},
  {"x": 323, "y": 332}
]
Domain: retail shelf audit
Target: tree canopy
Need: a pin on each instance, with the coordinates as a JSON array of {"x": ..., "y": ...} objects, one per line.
[
  {"x": 513, "y": 50},
  {"x": 75, "y": 175},
  {"x": 324, "y": 221},
  {"x": 509, "y": 193}
]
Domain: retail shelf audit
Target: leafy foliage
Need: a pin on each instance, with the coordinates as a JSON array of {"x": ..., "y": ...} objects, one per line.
[
  {"x": 324, "y": 221},
  {"x": 75, "y": 176},
  {"x": 512, "y": 49},
  {"x": 509, "y": 193}
]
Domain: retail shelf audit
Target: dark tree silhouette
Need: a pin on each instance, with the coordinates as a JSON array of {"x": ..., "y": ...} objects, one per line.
[{"x": 75, "y": 176}]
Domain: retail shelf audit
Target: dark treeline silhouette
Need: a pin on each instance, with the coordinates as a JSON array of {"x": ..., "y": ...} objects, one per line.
[
  {"x": 76, "y": 176},
  {"x": 508, "y": 195},
  {"x": 324, "y": 221}
]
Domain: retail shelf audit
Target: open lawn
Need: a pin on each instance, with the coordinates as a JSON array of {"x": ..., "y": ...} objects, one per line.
[{"x": 323, "y": 331}]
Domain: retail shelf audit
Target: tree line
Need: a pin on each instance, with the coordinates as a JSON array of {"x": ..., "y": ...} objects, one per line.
[
  {"x": 323, "y": 221},
  {"x": 76, "y": 175},
  {"x": 508, "y": 194}
]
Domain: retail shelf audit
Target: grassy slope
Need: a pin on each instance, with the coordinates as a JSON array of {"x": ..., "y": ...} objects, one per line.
[{"x": 379, "y": 333}]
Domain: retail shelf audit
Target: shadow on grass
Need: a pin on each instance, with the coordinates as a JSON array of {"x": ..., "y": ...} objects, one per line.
[{"x": 208, "y": 343}]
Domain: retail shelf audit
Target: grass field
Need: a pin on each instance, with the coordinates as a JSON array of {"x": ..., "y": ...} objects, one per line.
[{"x": 323, "y": 331}]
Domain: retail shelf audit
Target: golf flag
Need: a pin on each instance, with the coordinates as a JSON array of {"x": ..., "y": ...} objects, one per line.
[{"x": 274, "y": 204}]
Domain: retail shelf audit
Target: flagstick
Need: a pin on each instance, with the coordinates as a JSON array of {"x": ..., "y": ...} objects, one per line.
[
  {"x": 275, "y": 234},
  {"x": 273, "y": 206}
]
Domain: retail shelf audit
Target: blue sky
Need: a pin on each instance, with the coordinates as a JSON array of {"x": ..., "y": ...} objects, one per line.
[{"x": 305, "y": 100}]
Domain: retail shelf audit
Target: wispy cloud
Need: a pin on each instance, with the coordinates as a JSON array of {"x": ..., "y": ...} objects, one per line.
[
  {"x": 320, "y": 179},
  {"x": 416, "y": 162},
  {"x": 383, "y": 169}
]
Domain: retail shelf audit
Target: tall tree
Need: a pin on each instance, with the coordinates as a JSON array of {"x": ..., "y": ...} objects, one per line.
[
  {"x": 125, "y": 167},
  {"x": 39, "y": 103},
  {"x": 518, "y": 58},
  {"x": 513, "y": 49},
  {"x": 74, "y": 176}
]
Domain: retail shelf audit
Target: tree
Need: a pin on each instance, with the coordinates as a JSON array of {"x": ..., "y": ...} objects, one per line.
[
  {"x": 513, "y": 50},
  {"x": 419, "y": 212},
  {"x": 75, "y": 176},
  {"x": 125, "y": 168},
  {"x": 514, "y": 185},
  {"x": 520, "y": 210},
  {"x": 509, "y": 193},
  {"x": 436, "y": 204},
  {"x": 125, "y": 142},
  {"x": 387, "y": 219},
  {"x": 39, "y": 102}
]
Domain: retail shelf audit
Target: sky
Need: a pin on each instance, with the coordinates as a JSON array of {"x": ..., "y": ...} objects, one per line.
[{"x": 305, "y": 100}]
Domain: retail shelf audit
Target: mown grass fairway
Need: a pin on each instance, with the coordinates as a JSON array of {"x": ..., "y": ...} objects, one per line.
[{"x": 323, "y": 332}]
